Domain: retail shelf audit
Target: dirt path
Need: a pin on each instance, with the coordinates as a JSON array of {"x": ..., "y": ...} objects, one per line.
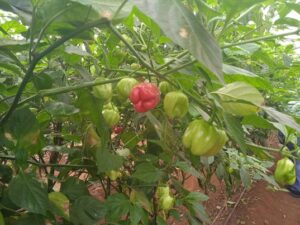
[{"x": 261, "y": 206}]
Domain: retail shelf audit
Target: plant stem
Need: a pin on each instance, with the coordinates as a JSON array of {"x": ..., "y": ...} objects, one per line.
[
  {"x": 8, "y": 157},
  {"x": 182, "y": 54},
  {"x": 261, "y": 38}
]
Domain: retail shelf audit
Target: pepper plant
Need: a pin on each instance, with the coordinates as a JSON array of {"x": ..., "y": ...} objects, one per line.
[{"x": 130, "y": 98}]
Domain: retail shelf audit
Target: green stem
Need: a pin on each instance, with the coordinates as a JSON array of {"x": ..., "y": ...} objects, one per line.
[
  {"x": 8, "y": 157},
  {"x": 182, "y": 54},
  {"x": 261, "y": 39}
]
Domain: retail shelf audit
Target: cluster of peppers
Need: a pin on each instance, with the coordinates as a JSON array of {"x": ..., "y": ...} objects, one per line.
[{"x": 200, "y": 137}]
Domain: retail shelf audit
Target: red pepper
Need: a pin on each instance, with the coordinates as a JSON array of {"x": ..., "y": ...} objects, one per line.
[
  {"x": 118, "y": 129},
  {"x": 144, "y": 97}
]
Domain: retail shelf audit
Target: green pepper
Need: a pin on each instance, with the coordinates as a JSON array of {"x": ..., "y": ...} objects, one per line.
[
  {"x": 103, "y": 91},
  {"x": 166, "y": 201},
  {"x": 285, "y": 172},
  {"x": 113, "y": 174},
  {"x": 176, "y": 104},
  {"x": 125, "y": 86},
  {"x": 203, "y": 139},
  {"x": 111, "y": 114},
  {"x": 165, "y": 87}
]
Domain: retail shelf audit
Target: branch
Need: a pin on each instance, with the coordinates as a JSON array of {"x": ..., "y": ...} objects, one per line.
[
  {"x": 37, "y": 58},
  {"x": 261, "y": 38},
  {"x": 8, "y": 157}
]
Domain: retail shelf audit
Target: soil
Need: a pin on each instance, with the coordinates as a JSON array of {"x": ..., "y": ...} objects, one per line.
[{"x": 258, "y": 206}]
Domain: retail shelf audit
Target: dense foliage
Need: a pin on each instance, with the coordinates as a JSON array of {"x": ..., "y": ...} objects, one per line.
[{"x": 133, "y": 97}]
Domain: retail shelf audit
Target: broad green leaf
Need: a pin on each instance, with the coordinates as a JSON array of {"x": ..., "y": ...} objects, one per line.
[
  {"x": 118, "y": 206},
  {"x": 107, "y": 8},
  {"x": 71, "y": 49},
  {"x": 22, "y": 8},
  {"x": 240, "y": 91},
  {"x": 233, "y": 73},
  {"x": 245, "y": 177},
  {"x": 59, "y": 204},
  {"x": 59, "y": 109},
  {"x": 107, "y": 161},
  {"x": 184, "y": 29},
  {"x": 136, "y": 213},
  {"x": 22, "y": 123},
  {"x": 87, "y": 210},
  {"x": 42, "y": 81},
  {"x": 231, "y": 7},
  {"x": 25, "y": 191},
  {"x": 188, "y": 168},
  {"x": 195, "y": 197},
  {"x": 235, "y": 130},
  {"x": 147, "y": 173},
  {"x": 74, "y": 188},
  {"x": 31, "y": 219},
  {"x": 139, "y": 197},
  {"x": 257, "y": 121},
  {"x": 282, "y": 118},
  {"x": 161, "y": 221}
]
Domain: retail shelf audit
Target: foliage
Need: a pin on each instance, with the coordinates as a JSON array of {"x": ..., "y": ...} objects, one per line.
[{"x": 68, "y": 68}]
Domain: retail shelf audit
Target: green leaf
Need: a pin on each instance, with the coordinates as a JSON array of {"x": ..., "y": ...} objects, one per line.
[
  {"x": 58, "y": 109},
  {"x": 59, "y": 204},
  {"x": 74, "y": 188},
  {"x": 257, "y": 121},
  {"x": 184, "y": 29},
  {"x": 107, "y": 161},
  {"x": 282, "y": 118},
  {"x": 233, "y": 73},
  {"x": 161, "y": 221},
  {"x": 42, "y": 81},
  {"x": 22, "y": 8},
  {"x": 107, "y": 8},
  {"x": 188, "y": 168},
  {"x": 87, "y": 210},
  {"x": 136, "y": 213},
  {"x": 31, "y": 219},
  {"x": 118, "y": 206},
  {"x": 245, "y": 177},
  {"x": 147, "y": 173},
  {"x": 231, "y": 7},
  {"x": 22, "y": 123},
  {"x": 140, "y": 198},
  {"x": 71, "y": 49},
  {"x": 26, "y": 192},
  {"x": 195, "y": 197},
  {"x": 235, "y": 130}
]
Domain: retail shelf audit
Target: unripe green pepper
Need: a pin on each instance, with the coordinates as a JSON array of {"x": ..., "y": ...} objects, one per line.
[
  {"x": 125, "y": 86},
  {"x": 166, "y": 202},
  {"x": 111, "y": 114},
  {"x": 203, "y": 139},
  {"x": 103, "y": 91},
  {"x": 176, "y": 104},
  {"x": 113, "y": 174},
  {"x": 285, "y": 172},
  {"x": 163, "y": 191},
  {"x": 165, "y": 87}
]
